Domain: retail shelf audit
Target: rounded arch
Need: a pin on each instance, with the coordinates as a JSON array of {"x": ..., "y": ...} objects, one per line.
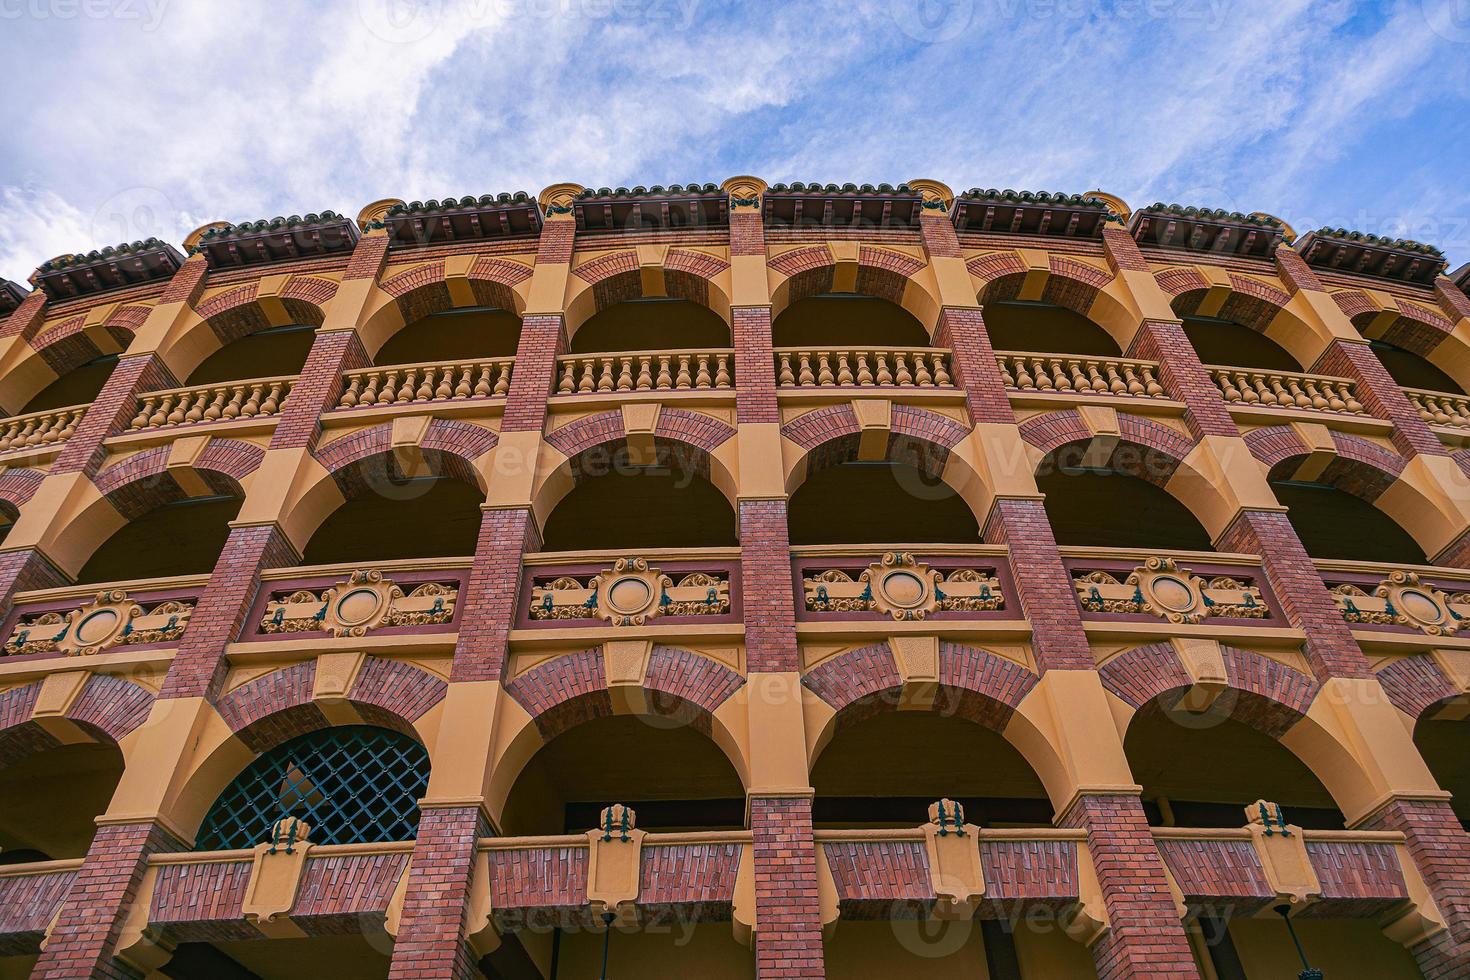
[
  {"x": 1070, "y": 461},
  {"x": 873, "y": 271},
  {"x": 699, "y": 445},
  {"x": 1252, "y": 304},
  {"x": 237, "y": 312},
  {"x": 930, "y": 443},
  {"x": 366, "y": 464},
  {"x": 1067, "y": 283},
  {"x": 409, "y": 295},
  {"x": 1408, "y": 333},
  {"x": 605, "y": 280},
  {"x": 267, "y": 710},
  {"x": 138, "y": 488},
  {"x": 1259, "y": 693},
  {"x": 1363, "y": 485},
  {"x": 676, "y": 688},
  {"x": 973, "y": 684},
  {"x": 68, "y": 364}
]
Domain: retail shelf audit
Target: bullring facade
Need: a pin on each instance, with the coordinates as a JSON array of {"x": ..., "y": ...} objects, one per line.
[{"x": 737, "y": 581}]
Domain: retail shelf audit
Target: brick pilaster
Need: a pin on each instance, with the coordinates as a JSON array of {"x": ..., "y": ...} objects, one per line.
[
  {"x": 788, "y": 935},
  {"x": 766, "y": 590},
  {"x": 1145, "y": 937},
  {"x": 975, "y": 370},
  {"x": 755, "y": 378},
  {"x": 1330, "y": 648},
  {"x": 493, "y": 594},
  {"x": 317, "y": 388},
  {"x": 543, "y": 337},
  {"x": 1184, "y": 378},
  {"x": 431, "y": 940},
  {"x": 1047, "y": 596},
  {"x": 1441, "y": 851},
  {"x": 86, "y": 929},
  {"x": 25, "y": 320},
  {"x": 26, "y": 569},
  {"x": 111, "y": 411},
  {"x": 1380, "y": 395},
  {"x": 199, "y": 666}
]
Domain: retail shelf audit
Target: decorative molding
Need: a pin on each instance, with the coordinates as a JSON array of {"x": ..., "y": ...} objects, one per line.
[
  {"x": 904, "y": 588},
  {"x": 110, "y": 619},
  {"x": 365, "y": 602},
  {"x": 631, "y": 593},
  {"x": 1403, "y": 600},
  {"x": 1159, "y": 587}
]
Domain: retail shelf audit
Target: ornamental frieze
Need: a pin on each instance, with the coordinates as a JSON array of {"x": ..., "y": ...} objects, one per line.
[
  {"x": 631, "y": 593},
  {"x": 1403, "y": 600},
  {"x": 900, "y": 586},
  {"x": 365, "y": 602},
  {"x": 111, "y": 619},
  {"x": 1159, "y": 587}
]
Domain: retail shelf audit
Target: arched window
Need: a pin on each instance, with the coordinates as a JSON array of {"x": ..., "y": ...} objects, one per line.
[
  {"x": 656, "y": 323},
  {"x": 1231, "y": 344},
  {"x": 356, "y": 784},
  {"x": 182, "y": 537},
  {"x": 1105, "y": 508},
  {"x": 78, "y": 386},
  {"x": 847, "y": 320},
  {"x": 1335, "y": 524},
  {"x": 858, "y": 502},
  {"x": 390, "y": 515},
  {"x": 270, "y": 353},
  {"x": 1045, "y": 328},
  {"x": 465, "y": 334},
  {"x": 1411, "y": 370}
]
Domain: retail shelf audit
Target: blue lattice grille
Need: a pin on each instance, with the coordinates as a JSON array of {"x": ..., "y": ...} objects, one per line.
[{"x": 352, "y": 785}]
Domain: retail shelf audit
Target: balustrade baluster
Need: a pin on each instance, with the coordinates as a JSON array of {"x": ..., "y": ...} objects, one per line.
[
  {"x": 722, "y": 371},
  {"x": 702, "y": 377}
]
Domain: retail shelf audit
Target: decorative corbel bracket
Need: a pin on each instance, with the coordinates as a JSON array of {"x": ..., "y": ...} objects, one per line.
[
  {"x": 139, "y": 945},
  {"x": 917, "y": 659},
  {"x": 875, "y": 423},
  {"x": 1283, "y": 855},
  {"x": 955, "y": 873},
  {"x": 275, "y": 878},
  {"x": 614, "y": 862},
  {"x": 479, "y": 923},
  {"x": 335, "y": 674},
  {"x": 1205, "y": 664}
]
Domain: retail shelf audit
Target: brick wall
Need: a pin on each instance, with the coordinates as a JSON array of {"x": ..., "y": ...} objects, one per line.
[
  {"x": 788, "y": 939},
  {"x": 1184, "y": 378},
  {"x": 493, "y": 593},
  {"x": 430, "y": 939},
  {"x": 1381, "y": 395},
  {"x": 1047, "y": 596}
]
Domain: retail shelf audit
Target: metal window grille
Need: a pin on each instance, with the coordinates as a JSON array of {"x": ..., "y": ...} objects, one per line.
[{"x": 352, "y": 785}]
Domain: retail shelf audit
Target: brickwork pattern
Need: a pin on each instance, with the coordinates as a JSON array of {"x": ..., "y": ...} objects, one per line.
[
  {"x": 542, "y": 339},
  {"x": 1145, "y": 937},
  {"x": 765, "y": 587},
  {"x": 113, "y": 408},
  {"x": 1184, "y": 378},
  {"x": 788, "y": 939},
  {"x": 1047, "y": 596},
  {"x": 976, "y": 371},
  {"x": 1381, "y": 396},
  {"x": 430, "y": 941},
  {"x": 492, "y": 596},
  {"x": 317, "y": 389},
  {"x": 1441, "y": 851}
]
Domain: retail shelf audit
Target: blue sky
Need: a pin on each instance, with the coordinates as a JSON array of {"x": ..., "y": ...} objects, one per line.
[{"x": 128, "y": 118}]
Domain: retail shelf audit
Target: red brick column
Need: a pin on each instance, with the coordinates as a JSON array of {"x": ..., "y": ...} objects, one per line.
[
  {"x": 113, "y": 409},
  {"x": 1441, "y": 851},
  {"x": 87, "y": 927},
  {"x": 431, "y": 940},
  {"x": 1380, "y": 395},
  {"x": 1144, "y": 936},
  {"x": 766, "y": 589},
  {"x": 24, "y": 570},
  {"x": 1184, "y": 378},
  {"x": 493, "y": 594},
  {"x": 27, "y": 318},
  {"x": 317, "y": 388},
  {"x": 1047, "y": 596},
  {"x": 788, "y": 936}
]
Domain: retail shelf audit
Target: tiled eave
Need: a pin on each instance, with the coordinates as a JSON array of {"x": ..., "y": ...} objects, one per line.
[
  {"x": 503, "y": 217},
  {"x": 262, "y": 243},
  {"x": 1218, "y": 233},
  {"x": 108, "y": 269},
  {"x": 617, "y": 212},
  {"x": 1461, "y": 277},
  {"x": 1397, "y": 261},
  {"x": 1008, "y": 214},
  {"x": 844, "y": 207},
  {"x": 11, "y": 296}
]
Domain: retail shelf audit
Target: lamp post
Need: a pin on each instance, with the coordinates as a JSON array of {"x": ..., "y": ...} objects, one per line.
[{"x": 1308, "y": 972}]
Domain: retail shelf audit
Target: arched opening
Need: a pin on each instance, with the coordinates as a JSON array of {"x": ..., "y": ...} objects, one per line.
[
  {"x": 49, "y": 801},
  {"x": 1107, "y": 506},
  {"x": 671, "y": 774},
  {"x": 1230, "y": 344},
  {"x": 79, "y": 386},
  {"x": 1412, "y": 371},
  {"x": 466, "y": 334},
  {"x": 1203, "y": 768},
  {"x": 853, "y": 502},
  {"x": 1023, "y": 325},
  {"x": 269, "y": 353},
  {"x": 181, "y": 537},
  {"x": 354, "y": 784},
  {"x": 847, "y": 320},
  {"x": 390, "y": 516},
  {"x": 624, "y": 499},
  {"x": 1443, "y": 736},
  {"x": 655, "y": 323},
  {"x": 8, "y": 516},
  {"x": 1335, "y": 524}
]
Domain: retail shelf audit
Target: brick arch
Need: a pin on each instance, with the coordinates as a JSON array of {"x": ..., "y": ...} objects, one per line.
[
  {"x": 106, "y": 710},
  {"x": 1071, "y": 284},
  {"x": 142, "y": 482},
  {"x": 424, "y": 289},
  {"x": 617, "y": 277},
  {"x": 1361, "y": 467},
  {"x": 921, "y": 438},
  {"x": 241, "y": 311},
  {"x": 1162, "y": 449},
  {"x": 692, "y": 441},
  {"x": 450, "y": 448},
  {"x": 882, "y": 273},
  {"x": 18, "y": 486},
  {"x": 1416, "y": 684},
  {"x": 266, "y": 711},
  {"x": 66, "y": 346},
  {"x": 1417, "y": 329}
]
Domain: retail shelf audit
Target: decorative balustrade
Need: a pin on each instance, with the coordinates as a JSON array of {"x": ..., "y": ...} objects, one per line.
[
  {"x": 1441, "y": 408},
  {"x": 360, "y": 602},
  {"x": 674, "y": 370},
  {"x": 1026, "y": 371},
  {"x": 630, "y": 592},
  {"x": 258, "y": 398},
  {"x": 39, "y": 428},
  {"x": 1161, "y": 588},
  {"x": 73, "y": 626},
  {"x": 1401, "y": 601},
  {"x": 900, "y": 586},
  {"x": 810, "y": 367},
  {"x": 402, "y": 384},
  {"x": 1286, "y": 389}
]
